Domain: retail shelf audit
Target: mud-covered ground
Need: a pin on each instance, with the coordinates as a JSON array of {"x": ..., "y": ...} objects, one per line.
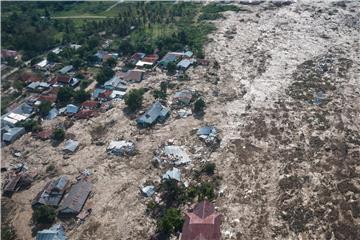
[{"x": 285, "y": 95}]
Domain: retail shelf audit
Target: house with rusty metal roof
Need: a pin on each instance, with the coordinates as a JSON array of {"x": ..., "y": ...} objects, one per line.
[
  {"x": 52, "y": 193},
  {"x": 202, "y": 223},
  {"x": 74, "y": 201}
]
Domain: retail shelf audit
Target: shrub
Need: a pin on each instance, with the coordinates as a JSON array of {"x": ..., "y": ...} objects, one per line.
[
  {"x": 134, "y": 98},
  {"x": 199, "y": 106},
  {"x": 50, "y": 168},
  {"x": 171, "y": 68},
  {"x": 209, "y": 168},
  {"x": 171, "y": 222},
  {"x": 44, "y": 108},
  {"x": 44, "y": 215},
  {"x": 58, "y": 134},
  {"x": 81, "y": 96},
  {"x": 206, "y": 191},
  {"x": 173, "y": 194}
]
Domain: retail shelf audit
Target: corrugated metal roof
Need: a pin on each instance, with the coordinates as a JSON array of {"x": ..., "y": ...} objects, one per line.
[
  {"x": 76, "y": 198},
  {"x": 71, "y": 145},
  {"x": 156, "y": 111},
  {"x": 173, "y": 174}
]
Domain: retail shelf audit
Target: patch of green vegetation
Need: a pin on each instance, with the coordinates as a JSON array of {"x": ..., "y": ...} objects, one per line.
[
  {"x": 134, "y": 98},
  {"x": 44, "y": 215},
  {"x": 213, "y": 11},
  {"x": 30, "y": 125}
]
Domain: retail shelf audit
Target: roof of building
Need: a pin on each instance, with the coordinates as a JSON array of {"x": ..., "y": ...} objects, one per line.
[
  {"x": 177, "y": 154},
  {"x": 13, "y": 134},
  {"x": 174, "y": 174},
  {"x": 185, "y": 63},
  {"x": 115, "y": 83},
  {"x": 49, "y": 98},
  {"x": 43, "y": 63},
  {"x": 121, "y": 147},
  {"x": 5, "y": 53},
  {"x": 148, "y": 191},
  {"x": 134, "y": 75},
  {"x": 105, "y": 94},
  {"x": 153, "y": 113},
  {"x": 56, "y": 232},
  {"x": 86, "y": 113},
  {"x": 30, "y": 77},
  {"x": 203, "y": 223},
  {"x": 23, "y": 109},
  {"x": 137, "y": 56},
  {"x": 71, "y": 108},
  {"x": 188, "y": 53},
  {"x": 44, "y": 134},
  {"x": 66, "y": 69},
  {"x": 71, "y": 145},
  {"x": 61, "y": 79},
  {"x": 90, "y": 104},
  {"x": 36, "y": 85},
  {"x": 52, "y": 114},
  {"x": 52, "y": 193},
  {"x": 183, "y": 96},
  {"x": 97, "y": 92},
  {"x": 76, "y": 198}
]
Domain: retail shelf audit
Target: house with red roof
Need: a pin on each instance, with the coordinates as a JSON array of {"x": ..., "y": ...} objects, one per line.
[
  {"x": 90, "y": 104},
  {"x": 203, "y": 223}
]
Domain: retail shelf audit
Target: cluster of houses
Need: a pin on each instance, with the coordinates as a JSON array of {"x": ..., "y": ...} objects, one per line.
[{"x": 201, "y": 223}]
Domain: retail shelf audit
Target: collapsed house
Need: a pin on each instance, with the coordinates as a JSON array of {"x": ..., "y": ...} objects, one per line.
[
  {"x": 18, "y": 179},
  {"x": 156, "y": 113},
  {"x": 56, "y": 232},
  {"x": 121, "y": 148},
  {"x": 209, "y": 135},
  {"x": 86, "y": 114},
  {"x": 38, "y": 86},
  {"x": 173, "y": 154},
  {"x": 148, "y": 61},
  {"x": 75, "y": 199},
  {"x": 183, "y": 97},
  {"x": 115, "y": 83},
  {"x": 52, "y": 114},
  {"x": 202, "y": 223},
  {"x": 52, "y": 193}
]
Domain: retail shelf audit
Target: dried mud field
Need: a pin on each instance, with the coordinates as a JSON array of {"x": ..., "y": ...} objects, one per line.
[{"x": 282, "y": 87}]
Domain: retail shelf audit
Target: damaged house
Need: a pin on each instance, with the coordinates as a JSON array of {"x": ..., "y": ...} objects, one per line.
[
  {"x": 75, "y": 200},
  {"x": 183, "y": 97},
  {"x": 121, "y": 148},
  {"x": 156, "y": 113},
  {"x": 56, "y": 232},
  {"x": 17, "y": 182},
  {"x": 209, "y": 135},
  {"x": 52, "y": 193},
  {"x": 173, "y": 154}
]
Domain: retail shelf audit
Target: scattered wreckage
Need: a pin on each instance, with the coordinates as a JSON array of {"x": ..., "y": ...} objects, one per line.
[{"x": 121, "y": 148}]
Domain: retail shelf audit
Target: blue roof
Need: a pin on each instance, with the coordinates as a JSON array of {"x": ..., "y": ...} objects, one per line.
[
  {"x": 56, "y": 232},
  {"x": 71, "y": 108},
  {"x": 155, "y": 112},
  {"x": 97, "y": 92},
  {"x": 189, "y": 53},
  {"x": 66, "y": 69},
  {"x": 52, "y": 114},
  {"x": 185, "y": 63}
]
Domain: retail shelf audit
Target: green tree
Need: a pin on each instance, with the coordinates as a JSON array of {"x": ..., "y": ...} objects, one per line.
[
  {"x": 44, "y": 108},
  {"x": 104, "y": 75},
  {"x": 206, "y": 191},
  {"x": 134, "y": 98},
  {"x": 64, "y": 95},
  {"x": 81, "y": 96},
  {"x": 171, "y": 68},
  {"x": 111, "y": 62},
  {"x": 58, "y": 134},
  {"x": 173, "y": 194},
  {"x": 44, "y": 215},
  {"x": 171, "y": 222},
  {"x": 30, "y": 125},
  {"x": 199, "y": 106},
  {"x": 52, "y": 57}
]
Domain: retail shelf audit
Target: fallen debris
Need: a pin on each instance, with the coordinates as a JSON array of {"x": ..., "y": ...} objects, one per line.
[
  {"x": 174, "y": 174},
  {"x": 70, "y": 145},
  {"x": 121, "y": 148}
]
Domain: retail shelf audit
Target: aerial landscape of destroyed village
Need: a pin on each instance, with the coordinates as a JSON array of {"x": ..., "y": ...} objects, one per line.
[{"x": 180, "y": 120}]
